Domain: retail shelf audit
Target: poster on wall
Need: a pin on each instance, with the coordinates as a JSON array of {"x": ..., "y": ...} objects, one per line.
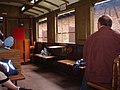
[{"x": 19, "y": 33}]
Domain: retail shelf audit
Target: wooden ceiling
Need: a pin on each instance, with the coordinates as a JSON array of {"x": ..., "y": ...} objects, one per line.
[{"x": 39, "y": 7}]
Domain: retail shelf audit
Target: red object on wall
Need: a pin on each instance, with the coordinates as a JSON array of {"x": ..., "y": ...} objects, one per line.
[{"x": 19, "y": 33}]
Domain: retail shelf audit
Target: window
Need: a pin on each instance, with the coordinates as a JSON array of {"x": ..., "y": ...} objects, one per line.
[
  {"x": 65, "y": 33},
  {"x": 42, "y": 35},
  {"x": 110, "y": 7}
]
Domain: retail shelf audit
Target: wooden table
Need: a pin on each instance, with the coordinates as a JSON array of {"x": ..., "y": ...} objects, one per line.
[
  {"x": 45, "y": 57},
  {"x": 57, "y": 50},
  {"x": 55, "y": 47},
  {"x": 67, "y": 62},
  {"x": 32, "y": 47}
]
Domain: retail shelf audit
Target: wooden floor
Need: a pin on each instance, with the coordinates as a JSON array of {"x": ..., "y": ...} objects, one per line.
[{"x": 39, "y": 78}]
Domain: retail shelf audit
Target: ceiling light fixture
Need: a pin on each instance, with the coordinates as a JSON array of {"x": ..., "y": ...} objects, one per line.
[
  {"x": 4, "y": 13},
  {"x": 32, "y": 1},
  {"x": 23, "y": 8},
  {"x": 102, "y": 2}
]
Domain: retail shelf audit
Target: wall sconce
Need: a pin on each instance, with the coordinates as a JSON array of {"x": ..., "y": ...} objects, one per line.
[{"x": 21, "y": 24}]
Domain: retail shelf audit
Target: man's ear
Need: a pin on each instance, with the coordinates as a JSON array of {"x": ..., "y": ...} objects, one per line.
[{"x": 98, "y": 25}]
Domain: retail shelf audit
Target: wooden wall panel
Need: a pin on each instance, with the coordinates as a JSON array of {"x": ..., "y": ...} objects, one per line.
[
  {"x": 24, "y": 47},
  {"x": 11, "y": 24},
  {"x": 18, "y": 44},
  {"x": 26, "y": 26},
  {"x": 51, "y": 28},
  {"x": 83, "y": 22},
  {"x": 27, "y": 49}
]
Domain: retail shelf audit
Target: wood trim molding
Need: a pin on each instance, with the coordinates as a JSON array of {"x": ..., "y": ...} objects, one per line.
[
  {"x": 32, "y": 12},
  {"x": 51, "y": 3},
  {"x": 18, "y": 1},
  {"x": 37, "y": 10}
]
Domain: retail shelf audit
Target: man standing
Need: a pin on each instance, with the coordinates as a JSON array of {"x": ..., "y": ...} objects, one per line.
[{"x": 100, "y": 49}]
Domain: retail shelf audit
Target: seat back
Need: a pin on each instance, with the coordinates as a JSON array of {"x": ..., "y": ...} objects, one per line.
[
  {"x": 116, "y": 74},
  {"x": 13, "y": 55}
]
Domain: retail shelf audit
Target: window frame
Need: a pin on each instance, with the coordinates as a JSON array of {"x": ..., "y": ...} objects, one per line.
[
  {"x": 63, "y": 15},
  {"x": 42, "y": 21}
]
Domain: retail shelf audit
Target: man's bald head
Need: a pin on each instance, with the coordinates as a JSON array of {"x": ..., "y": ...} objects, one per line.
[{"x": 105, "y": 20}]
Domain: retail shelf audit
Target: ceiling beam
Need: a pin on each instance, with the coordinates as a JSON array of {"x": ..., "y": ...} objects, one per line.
[
  {"x": 39, "y": 6},
  {"x": 51, "y": 3},
  {"x": 18, "y": 1},
  {"x": 36, "y": 4},
  {"x": 32, "y": 13},
  {"x": 65, "y": 1},
  {"x": 37, "y": 10}
]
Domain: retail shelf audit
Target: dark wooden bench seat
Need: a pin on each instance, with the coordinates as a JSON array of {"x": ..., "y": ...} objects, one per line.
[
  {"x": 45, "y": 61},
  {"x": 115, "y": 80},
  {"x": 68, "y": 66},
  {"x": 100, "y": 86},
  {"x": 13, "y": 55},
  {"x": 19, "y": 76}
]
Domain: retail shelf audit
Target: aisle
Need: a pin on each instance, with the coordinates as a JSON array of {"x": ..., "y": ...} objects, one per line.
[{"x": 45, "y": 79}]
